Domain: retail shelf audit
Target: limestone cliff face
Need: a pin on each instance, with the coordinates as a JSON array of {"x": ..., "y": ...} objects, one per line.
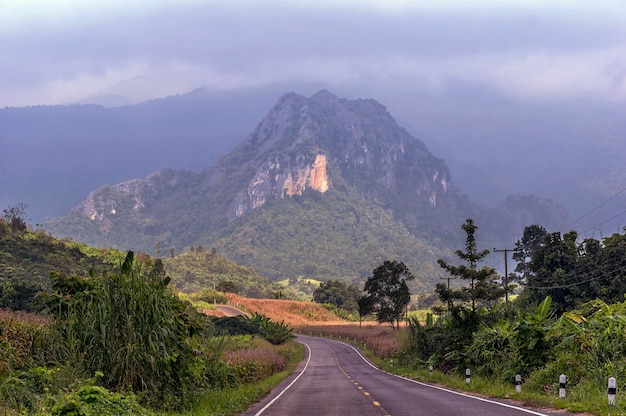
[
  {"x": 130, "y": 199},
  {"x": 293, "y": 149},
  {"x": 303, "y": 145},
  {"x": 103, "y": 204},
  {"x": 280, "y": 179}
]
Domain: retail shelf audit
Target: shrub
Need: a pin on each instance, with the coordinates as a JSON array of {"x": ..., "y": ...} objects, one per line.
[
  {"x": 89, "y": 400},
  {"x": 275, "y": 332},
  {"x": 252, "y": 365},
  {"x": 212, "y": 296},
  {"x": 130, "y": 325},
  {"x": 492, "y": 352},
  {"x": 546, "y": 378},
  {"x": 236, "y": 325}
]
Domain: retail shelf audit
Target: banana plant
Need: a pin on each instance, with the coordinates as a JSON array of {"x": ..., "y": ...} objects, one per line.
[
  {"x": 532, "y": 341},
  {"x": 601, "y": 335}
]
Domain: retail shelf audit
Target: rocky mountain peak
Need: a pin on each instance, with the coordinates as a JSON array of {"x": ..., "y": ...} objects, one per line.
[
  {"x": 324, "y": 97},
  {"x": 302, "y": 139},
  {"x": 320, "y": 187}
]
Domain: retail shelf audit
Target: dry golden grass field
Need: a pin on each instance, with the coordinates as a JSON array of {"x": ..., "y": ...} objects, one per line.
[
  {"x": 311, "y": 318},
  {"x": 293, "y": 313}
]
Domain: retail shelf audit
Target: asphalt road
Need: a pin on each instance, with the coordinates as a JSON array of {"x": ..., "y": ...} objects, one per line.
[
  {"x": 228, "y": 310},
  {"x": 335, "y": 379}
]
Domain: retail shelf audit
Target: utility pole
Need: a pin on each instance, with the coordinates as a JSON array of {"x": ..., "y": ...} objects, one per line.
[
  {"x": 506, "y": 274},
  {"x": 450, "y": 301}
]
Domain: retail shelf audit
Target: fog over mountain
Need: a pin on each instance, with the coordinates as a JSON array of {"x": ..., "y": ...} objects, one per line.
[
  {"x": 55, "y": 155},
  {"x": 323, "y": 187},
  {"x": 516, "y": 97}
]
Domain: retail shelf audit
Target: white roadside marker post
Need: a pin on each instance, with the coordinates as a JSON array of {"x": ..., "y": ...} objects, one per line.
[
  {"x": 518, "y": 383},
  {"x": 562, "y": 383},
  {"x": 467, "y": 376},
  {"x": 612, "y": 390}
]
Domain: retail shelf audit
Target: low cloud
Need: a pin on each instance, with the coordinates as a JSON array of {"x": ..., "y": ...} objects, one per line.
[{"x": 527, "y": 52}]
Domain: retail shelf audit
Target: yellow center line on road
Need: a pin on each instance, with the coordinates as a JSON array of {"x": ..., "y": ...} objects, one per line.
[{"x": 374, "y": 402}]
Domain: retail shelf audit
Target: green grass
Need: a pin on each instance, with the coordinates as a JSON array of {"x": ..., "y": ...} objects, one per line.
[
  {"x": 198, "y": 304},
  {"x": 233, "y": 401},
  {"x": 581, "y": 398}
]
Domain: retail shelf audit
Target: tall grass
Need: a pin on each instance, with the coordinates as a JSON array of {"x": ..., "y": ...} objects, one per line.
[
  {"x": 294, "y": 312},
  {"x": 236, "y": 399},
  {"x": 22, "y": 339},
  {"x": 130, "y": 327}
]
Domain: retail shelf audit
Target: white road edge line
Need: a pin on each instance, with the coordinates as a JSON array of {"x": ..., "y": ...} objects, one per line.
[
  {"x": 532, "y": 412},
  {"x": 290, "y": 384}
]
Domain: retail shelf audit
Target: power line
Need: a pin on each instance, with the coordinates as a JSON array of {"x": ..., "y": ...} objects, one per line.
[
  {"x": 604, "y": 274},
  {"x": 595, "y": 209},
  {"x": 612, "y": 218}
]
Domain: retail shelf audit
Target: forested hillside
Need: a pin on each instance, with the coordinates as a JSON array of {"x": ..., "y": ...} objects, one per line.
[
  {"x": 329, "y": 238},
  {"x": 27, "y": 257},
  {"x": 324, "y": 187},
  {"x": 200, "y": 269}
]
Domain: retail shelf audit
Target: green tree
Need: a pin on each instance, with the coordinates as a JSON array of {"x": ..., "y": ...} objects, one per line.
[
  {"x": 553, "y": 271},
  {"x": 613, "y": 285},
  {"x": 338, "y": 294},
  {"x": 387, "y": 292},
  {"x": 569, "y": 271},
  {"x": 483, "y": 286},
  {"x": 227, "y": 286},
  {"x": 365, "y": 307},
  {"x": 534, "y": 236}
]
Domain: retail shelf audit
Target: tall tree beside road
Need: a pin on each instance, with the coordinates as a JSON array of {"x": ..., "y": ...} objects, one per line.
[
  {"x": 533, "y": 238},
  {"x": 387, "y": 292},
  {"x": 482, "y": 281},
  {"x": 568, "y": 270}
]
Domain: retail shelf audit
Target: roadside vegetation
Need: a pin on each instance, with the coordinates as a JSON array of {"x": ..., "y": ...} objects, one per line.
[
  {"x": 123, "y": 342},
  {"x": 115, "y": 338},
  {"x": 569, "y": 318},
  {"x": 588, "y": 352},
  {"x": 109, "y": 333}
]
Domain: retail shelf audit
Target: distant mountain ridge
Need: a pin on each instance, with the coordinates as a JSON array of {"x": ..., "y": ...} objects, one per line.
[
  {"x": 52, "y": 156},
  {"x": 324, "y": 187}
]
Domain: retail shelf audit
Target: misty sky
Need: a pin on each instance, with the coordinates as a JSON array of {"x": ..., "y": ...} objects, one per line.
[{"x": 63, "y": 51}]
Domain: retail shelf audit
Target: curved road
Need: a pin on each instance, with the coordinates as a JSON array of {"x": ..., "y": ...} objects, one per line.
[{"x": 335, "y": 379}]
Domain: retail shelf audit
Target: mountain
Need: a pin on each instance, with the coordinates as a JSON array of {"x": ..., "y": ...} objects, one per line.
[
  {"x": 52, "y": 156},
  {"x": 569, "y": 151},
  {"x": 324, "y": 187},
  {"x": 200, "y": 269}
]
